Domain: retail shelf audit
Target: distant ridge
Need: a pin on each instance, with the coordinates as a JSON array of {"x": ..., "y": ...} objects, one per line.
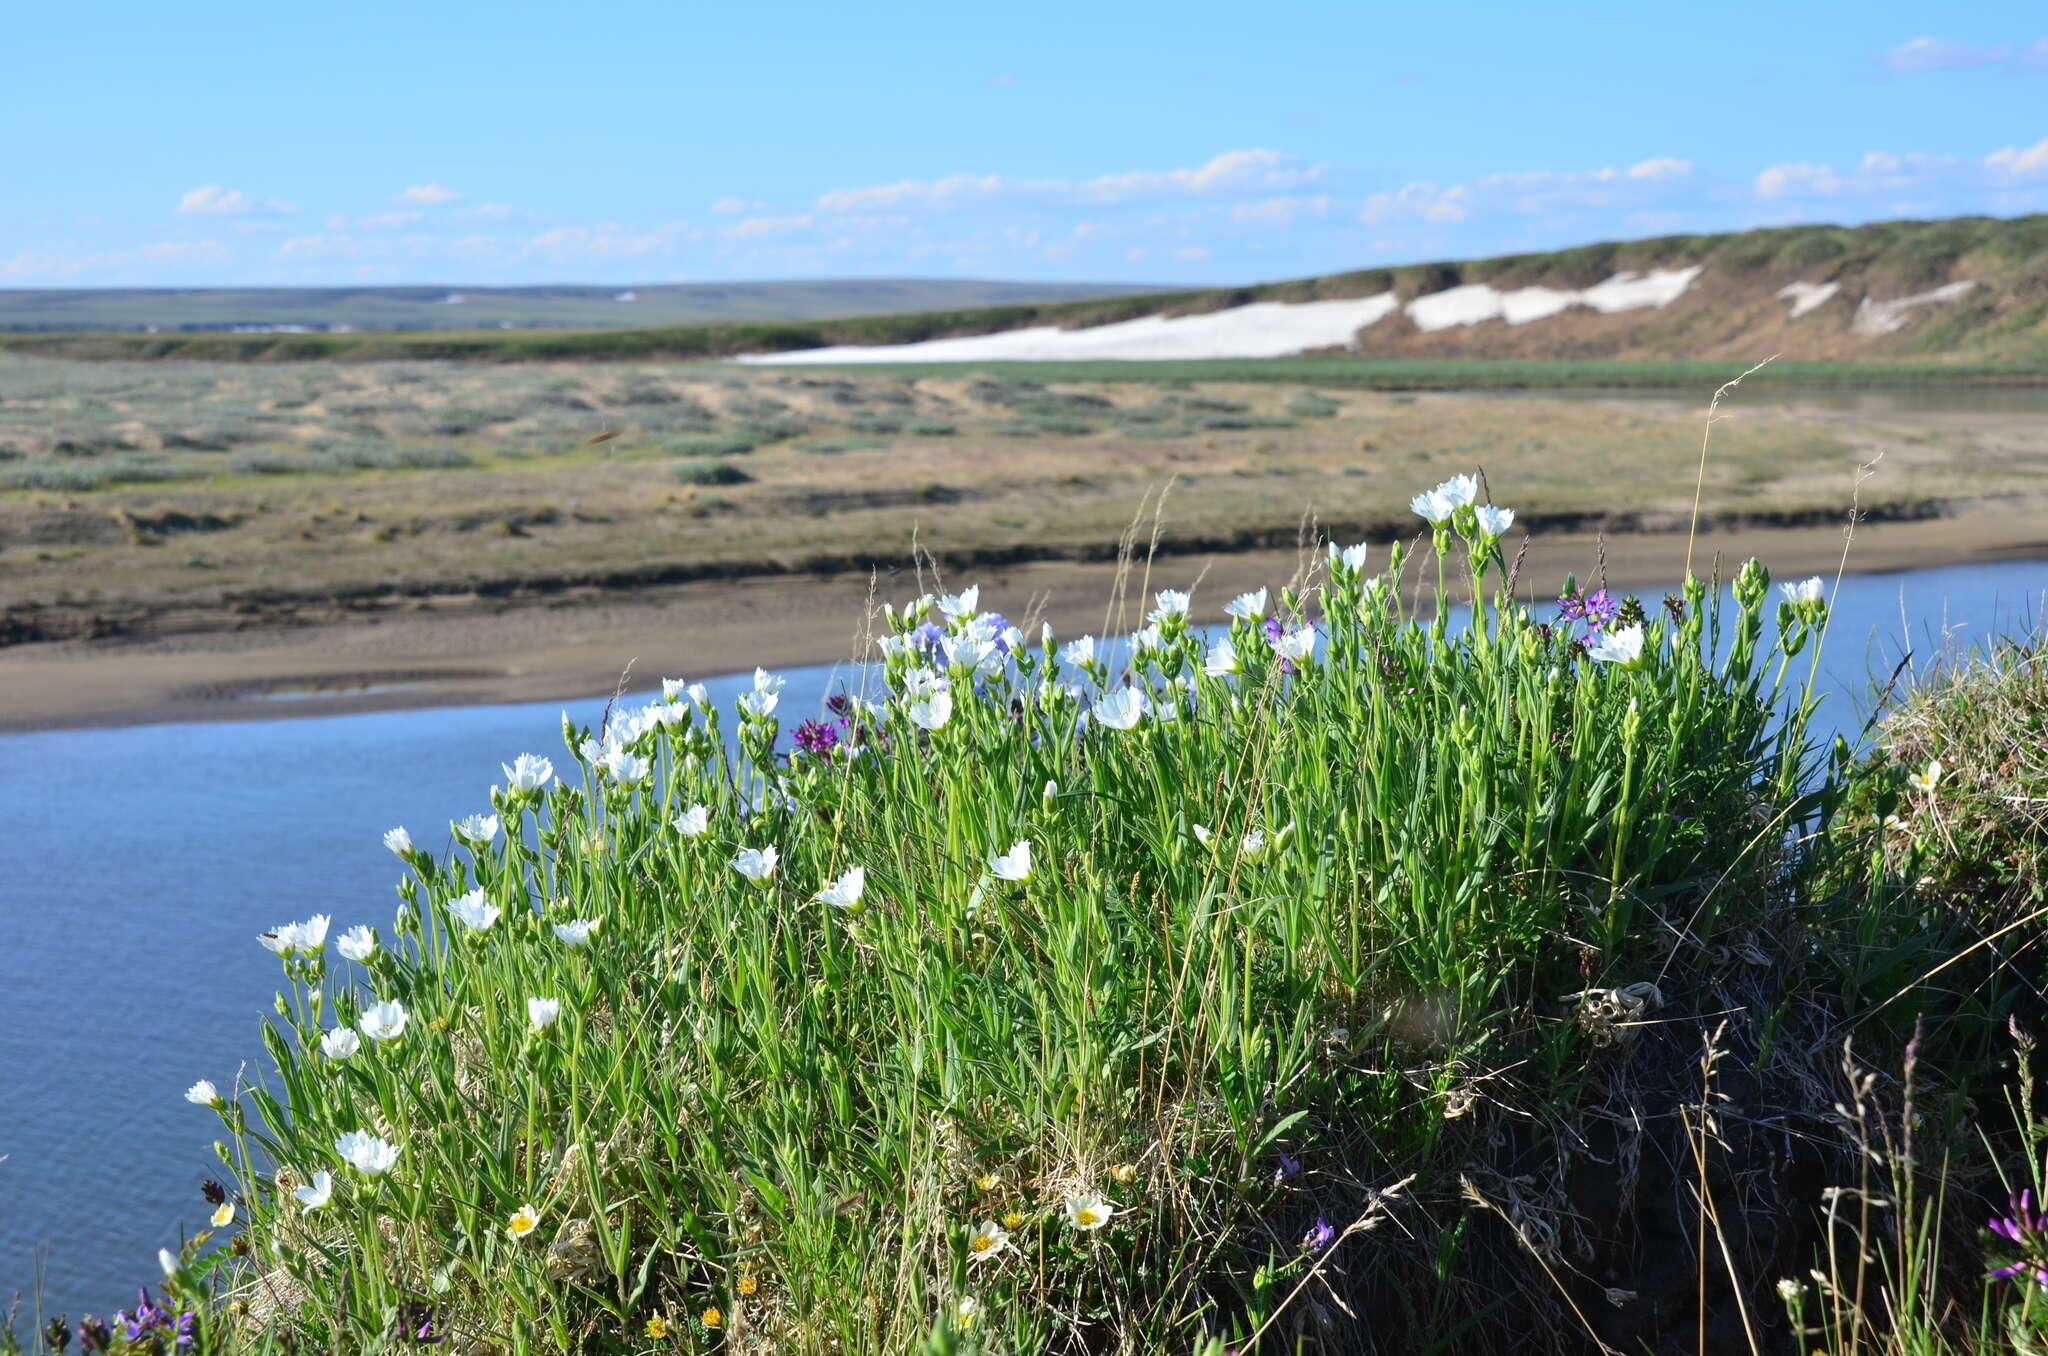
[
  {"x": 554, "y": 306},
  {"x": 1962, "y": 290}
]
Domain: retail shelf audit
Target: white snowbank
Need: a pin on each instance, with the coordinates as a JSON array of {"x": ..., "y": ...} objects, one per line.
[
  {"x": 1266, "y": 329},
  {"x": 1805, "y": 296},
  {"x": 1883, "y": 317}
]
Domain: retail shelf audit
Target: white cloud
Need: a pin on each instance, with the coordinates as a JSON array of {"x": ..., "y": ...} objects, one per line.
[
  {"x": 186, "y": 252},
  {"x": 1281, "y": 211},
  {"x": 2020, "y": 160},
  {"x": 1800, "y": 179},
  {"x": 1933, "y": 54},
  {"x": 758, "y": 228},
  {"x": 385, "y": 221},
  {"x": 729, "y": 205},
  {"x": 490, "y": 211},
  {"x": 1420, "y": 201},
  {"x": 1661, "y": 168},
  {"x": 1232, "y": 172},
  {"x": 214, "y": 200},
  {"x": 607, "y": 240},
  {"x": 429, "y": 194}
]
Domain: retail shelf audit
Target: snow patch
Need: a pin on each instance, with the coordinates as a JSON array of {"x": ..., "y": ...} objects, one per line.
[
  {"x": 1806, "y": 296},
  {"x": 1266, "y": 329},
  {"x": 1873, "y": 317},
  {"x": 1476, "y": 303}
]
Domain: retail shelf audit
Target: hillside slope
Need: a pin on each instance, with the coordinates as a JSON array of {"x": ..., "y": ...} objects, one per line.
[{"x": 1963, "y": 290}]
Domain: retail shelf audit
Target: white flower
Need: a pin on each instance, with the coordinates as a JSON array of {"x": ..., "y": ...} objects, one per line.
[
  {"x": 1078, "y": 653},
  {"x": 966, "y": 1311},
  {"x": 1172, "y": 603},
  {"x": 366, "y": 1153},
  {"x": 474, "y": 911},
  {"x": 1458, "y": 491},
  {"x": 1148, "y": 639},
  {"x": 921, "y": 683},
  {"x": 1806, "y": 591},
  {"x": 317, "y": 1192},
  {"x": 1121, "y": 709},
  {"x": 1927, "y": 778},
  {"x": 203, "y": 1093},
  {"x": 979, "y": 654},
  {"x": 340, "y": 1043},
  {"x": 700, "y": 696},
  {"x": 528, "y": 772},
  {"x": 1050, "y": 793},
  {"x": 1247, "y": 606},
  {"x": 399, "y": 841},
  {"x": 358, "y": 944},
  {"x": 1202, "y": 834},
  {"x": 668, "y": 715},
  {"x": 627, "y": 769},
  {"x": 592, "y": 751},
  {"x": 767, "y": 682},
  {"x": 294, "y": 938},
  {"x": 168, "y": 1260},
  {"x": 1298, "y": 645},
  {"x": 1014, "y": 865},
  {"x": 384, "y": 1021},
  {"x": 962, "y": 604},
  {"x": 1223, "y": 659},
  {"x": 756, "y": 864},
  {"x": 1432, "y": 505},
  {"x": 845, "y": 892},
  {"x": 693, "y": 821},
  {"x": 1618, "y": 647},
  {"x": 1494, "y": 521},
  {"x": 672, "y": 688},
  {"x": 576, "y": 932},
  {"x": 1253, "y": 845},
  {"x": 758, "y": 705},
  {"x": 933, "y": 712},
  {"x": 542, "y": 1012},
  {"x": 1089, "y": 1212},
  {"x": 988, "y": 1241},
  {"x": 477, "y": 830},
  {"x": 1351, "y": 558}
]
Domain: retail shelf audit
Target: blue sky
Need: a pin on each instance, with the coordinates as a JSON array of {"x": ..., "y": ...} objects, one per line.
[{"x": 446, "y": 142}]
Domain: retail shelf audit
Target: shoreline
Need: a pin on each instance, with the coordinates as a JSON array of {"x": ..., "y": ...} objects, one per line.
[{"x": 487, "y": 652}]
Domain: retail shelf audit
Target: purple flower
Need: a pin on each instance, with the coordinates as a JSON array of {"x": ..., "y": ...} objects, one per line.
[
  {"x": 93, "y": 1335},
  {"x": 2026, "y": 1227},
  {"x": 1289, "y": 1167},
  {"x": 1600, "y": 609},
  {"x": 930, "y": 641},
  {"x": 1571, "y": 605},
  {"x": 817, "y": 739},
  {"x": 416, "y": 1324},
  {"x": 1272, "y": 630},
  {"x": 838, "y": 704},
  {"x": 998, "y": 626},
  {"x": 1320, "y": 1237}
]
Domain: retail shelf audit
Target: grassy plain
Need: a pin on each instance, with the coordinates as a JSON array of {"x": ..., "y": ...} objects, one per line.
[{"x": 131, "y": 491}]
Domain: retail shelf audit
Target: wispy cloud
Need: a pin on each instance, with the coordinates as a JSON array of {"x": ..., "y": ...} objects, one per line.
[
  {"x": 1247, "y": 173},
  {"x": 429, "y": 194},
  {"x": 212, "y": 200},
  {"x": 757, "y": 228},
  {"x": 1927, "y": 53}
]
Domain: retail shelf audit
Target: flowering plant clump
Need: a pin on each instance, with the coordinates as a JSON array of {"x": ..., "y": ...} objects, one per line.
[{"x": 984, "y": 1001}]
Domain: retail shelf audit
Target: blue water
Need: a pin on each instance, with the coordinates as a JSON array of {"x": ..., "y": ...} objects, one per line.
[{"x": 140, "y": 863}]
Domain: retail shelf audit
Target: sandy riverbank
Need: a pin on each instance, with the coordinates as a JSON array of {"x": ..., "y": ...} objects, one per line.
[{"x": 489, "y": 652}]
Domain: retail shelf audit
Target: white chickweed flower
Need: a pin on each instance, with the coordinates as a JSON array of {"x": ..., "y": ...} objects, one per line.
[
  {"x": 1805, "y": 591},
  {"x": 693, "y": 821},
  {"x": 756, "y": 864},
  {"x": 767, "y": 682},
  {"x": 1014, "y": 865},
  {"x": 1202, "y": 834},
  {"x": 477, "y": 830},
  {"x": 1223, "y": 660},
  {"x": 340, "y": 1043},
  {"x": 1298, "y": 646},
  {"x": 1928, "y": 777},
  {"x": 168, "y": 1260},
  {"x": 1247, "y": 606},
  {"x": 384, "y": 1021},
  {"x": 1351, "y": 558},
  {"x": 358, "y": 944},
  {"x": 398, "y": 841},
  {"x": 1624, "y": 646},
  {"x": 627, "y": 769},
  {"x": 366, "y": 1153},
  {"x": 317, "y": 1192},
  {"x": 1494, "y": 521},
  {"x": 1121, "y": 709},
  {"x": 1171, "y": 603},
  {"x": 758, "y": 705},
  {"x": 845, "y": 892},
  {"x": 204, "y": 1093},
  {"x": 1078, "y": 654},
  {"x": 988, "y": 1241},
  {"x": 528, "y": 772},
  {"x": 932, "y": 712},
  {"x": 965, "y": 603},
  {"x": 575, "y": 932},
  {"x": 1432, "y": 505},
  {"x": 474, "y": 911},
  {"x": 1459, "y": 490},
  {"x": 542, "y": 1012}
]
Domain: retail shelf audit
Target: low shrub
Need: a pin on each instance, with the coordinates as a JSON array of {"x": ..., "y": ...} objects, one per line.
[{"x": 708, "y": 471}]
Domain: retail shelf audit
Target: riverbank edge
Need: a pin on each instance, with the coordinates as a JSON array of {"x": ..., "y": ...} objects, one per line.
[{"x": 478, "y": 650}]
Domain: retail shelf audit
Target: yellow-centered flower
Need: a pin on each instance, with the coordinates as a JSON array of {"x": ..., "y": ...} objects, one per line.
[
  {"x": 713, "y": 1317},
  {"x": 524, "y": 1221},
  {"x": 657, "y": 1327},
  {"x": 224, "y": 1216}
]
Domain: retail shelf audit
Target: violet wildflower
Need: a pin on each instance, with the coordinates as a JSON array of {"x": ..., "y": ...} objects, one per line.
[
  {"x": 93, "y": 1334},
  {"x": 1290, "y": 1166},
  {"x": 57, "y": 1334},
  {"x": 816, "y": 739},
  {"x": 930, "y": 641},
  {"x": 416, "y": 1322},
  {"x": 2026, "y": 1228},
  {"x": 1319, "y": 1237},
  {"x": 1601, "y": 609},
  {"x": 214, "y": 1192}
]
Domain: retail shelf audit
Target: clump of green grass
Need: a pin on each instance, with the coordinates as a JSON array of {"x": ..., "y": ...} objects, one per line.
[
  {"x": 709, "y": 471},
  {"x": 1086, "y": 997},
  {"x": 832, "y": 447},
  {"x": 709, "y": 445},
  {"x": 1313, "y": 405}
]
